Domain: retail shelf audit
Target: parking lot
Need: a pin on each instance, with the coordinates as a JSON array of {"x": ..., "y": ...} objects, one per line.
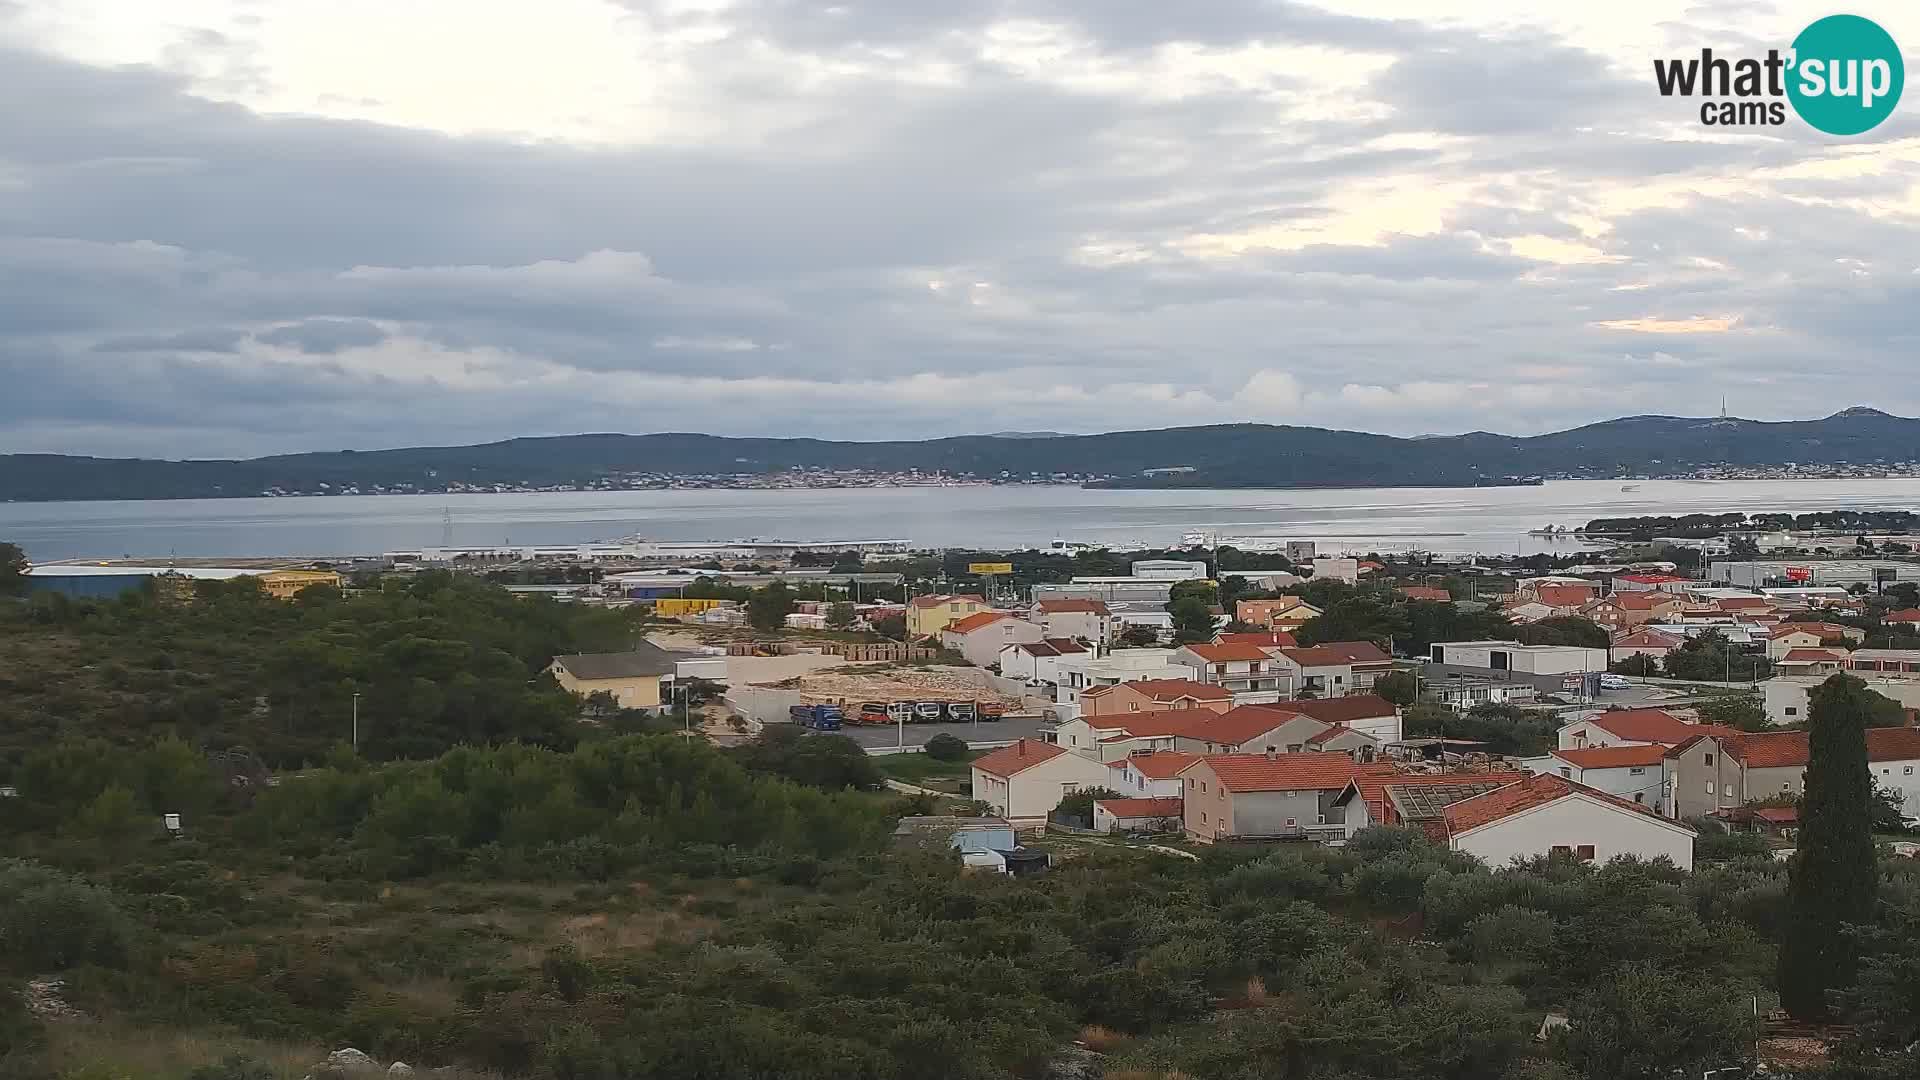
[{"x": 1005, "y": 730}]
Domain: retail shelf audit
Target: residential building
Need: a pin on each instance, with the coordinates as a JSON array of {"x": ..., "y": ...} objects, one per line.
[
  {"x": 1255, "y": 729},
  {"x": 1633, "y": 727},
  {"x": 1114, "y": 738},
  {"x": 1152, "y": 695},
  {"x": 1530, "y": 612},
  {"x": 287, "y": 584},
  {"x": 1414, "y": 800},
  {"x": 1288, "y": 613},
  {"x": 1564, "y": 599},
  {"x": 1331, "y": 569},
  {"x": 1037, "y": 661},
  {"x": 1249, "y": 672},
  {"x": 1810, "y": 662},
  {"x": 1907, "y": 617},
  {"x": 1636, "y": 773},
  {"x": 1169, "y": 570},
  {"x": 1785, "y": 697},
  {"x": 1370, "y": 714},
  {"x": 1705, "y": 775},
  {"x": 1623, "y": 583},
  {"x": 1026, "y": 781},
  {"x": 1426, "y": 592},
  {"x": 980, "y": 637},
  {"x": 1549, "y": 814},
  {"x": 1746, "y": 767},
  {"x": 1524, "y": 659},
  {"x": 1151, "y": 774},
  {"x": 1137, "y": 815},
  {"x": 1335, "y": 668},
  {"x": 928, "y": 615},
  {"x": 1084, "y": 620},
  {"x": 632, "y": 678},
  {"x": 1265, "y": 639},
  {"x": 1084, "y": 672},
  {"x": 1268, "y": 796},
  {"x": 964, "y": 834},
  {"x": 1626, "y": 610},
  {"x": 1652, "y": 644},
  {"x": 1811, "y": 635}
]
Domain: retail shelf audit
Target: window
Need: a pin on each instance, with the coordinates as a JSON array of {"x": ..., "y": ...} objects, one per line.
[
  {"x": 1203, "y": 817},
  {"x": 1709, "y": 758},
  {"x": 1562, "y": 849},
  {"x": 1792, "y": 711},
  {"x": 1907, "y": 771},
  {"x": 1640, "y": 796},
  {"x": 1290, "y": 823},
  {"x": 1566, "y": 772},
  {"x": 1133, "y": 706},
  {"x": 1636, "y": 771},
  {"x": 1189, "y": 783},
  {"x": 1585, "y": 853},
  {"x": 1710, "y": 787}
]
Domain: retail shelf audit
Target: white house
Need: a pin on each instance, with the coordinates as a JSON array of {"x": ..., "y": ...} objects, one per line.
[
  {"x": 1334, "y": 569},
  {"x": 1636, "y": 773},
  {"x": 1037, "y": 661},
  {"x": 1137, "y": 815},
  {"x": 1633, "y": 727},
  {"x": 1024, "y": 782},
  {"x": 1334, "y": 668},
  {"x": 1085, "y": 620},
  {"x": 1085, "y": 671},
  {"x": 1785, "y": 697},
  {"x": 980, "y": 637},
  {"x": 1550, "y": 814},
  {"x": 1151, "y": 775},
  {"x": 1169, "y": 570},
  {"x": 1513, "y": 656},
  {"x": 1247, "y": 671}
]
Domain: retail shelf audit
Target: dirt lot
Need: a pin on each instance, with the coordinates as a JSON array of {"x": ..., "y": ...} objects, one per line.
[{"x": 886, "y": 682}]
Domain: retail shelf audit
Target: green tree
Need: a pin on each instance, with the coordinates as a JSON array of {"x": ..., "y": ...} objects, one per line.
[
  {"x": 891, "y": 626},
  {"x": 1564, "y": 630},
  {"x": 1639, "y": 665},
  {"x": 1399, "y": 687},
  {"x": 1138, "y": 636},
  {"x": 1735, "y": 711},
  {"x": 945, "y": 747},
  {"x": 13, "y": 570},
  {"x": 769, "y": 606},
  {"x": 1192, "y": 620},
  {"x": 841, "y": 616},
  {"x": 1643, "y": 1023},
  {"x": 1832, "y": 877}
]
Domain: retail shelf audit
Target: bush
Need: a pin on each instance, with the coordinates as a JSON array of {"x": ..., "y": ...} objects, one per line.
[
  {"x": 945, "y": 747},
  {"x": 50, "y": 921}
]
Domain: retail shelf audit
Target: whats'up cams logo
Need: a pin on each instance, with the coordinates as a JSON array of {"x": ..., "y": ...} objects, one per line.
[{"x": 1843, "y": 75}]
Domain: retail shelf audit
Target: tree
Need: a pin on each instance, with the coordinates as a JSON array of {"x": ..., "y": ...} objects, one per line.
[
  {"x": 1139, "y": 636},
  {"x": 945, "y": 747},
  {"x": 769, "y": 606},
  {"x": 890, "y": 626},
  {"x": 840, "y": 616},
  {"x": 1399, "y": 687},
  {"x": 1639, "y": 664},
  {"x": 13, "y": 570},
  {"x": 1080, "y": 803},
  {"x": 1644, "y": 1023},
  {"x": 1192, "y": 620},
  {"x": 1734, "y": 711},
  {"x": 1564, "y": 630},
  {"x": 1832, "y": 878}
]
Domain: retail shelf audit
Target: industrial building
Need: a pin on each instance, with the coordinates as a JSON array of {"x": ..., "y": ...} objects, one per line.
[
  {"x": 106, "y": 582},
  {"x": 1873, "y": 573}
]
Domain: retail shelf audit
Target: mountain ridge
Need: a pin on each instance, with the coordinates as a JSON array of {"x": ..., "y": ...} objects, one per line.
[{"x": 1208, "y": 456}]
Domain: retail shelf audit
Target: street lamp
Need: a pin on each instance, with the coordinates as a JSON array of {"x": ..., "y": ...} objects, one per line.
[{"x": 356, "y": 721}]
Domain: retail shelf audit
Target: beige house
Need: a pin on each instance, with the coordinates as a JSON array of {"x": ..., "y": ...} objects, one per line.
[
  {"x": 1026, "y": 781},
  {"x": 928, "y": 615},
  {"x": 633, "y": 678},
  {"x": 981, "y": 636},
  {"x": 1153, "y": 695},
  {"x": 1268, "y": 796}
]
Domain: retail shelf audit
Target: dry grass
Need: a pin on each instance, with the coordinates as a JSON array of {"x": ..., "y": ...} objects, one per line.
[
  {"x": 106, "y": 1049},
  {"x": 1256, "y": 992},
  {"x": 1102, "y": 1040}
]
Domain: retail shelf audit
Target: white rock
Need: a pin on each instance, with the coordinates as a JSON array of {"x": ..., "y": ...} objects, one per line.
[
  {"x": 351, "y": 1059},
  {"x": 399, "y": 1068}
]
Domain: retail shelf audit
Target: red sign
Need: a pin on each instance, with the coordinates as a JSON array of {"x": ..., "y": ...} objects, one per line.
[{"x": 1799, "y": 573}]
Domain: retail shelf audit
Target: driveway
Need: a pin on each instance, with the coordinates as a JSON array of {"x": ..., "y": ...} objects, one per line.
[{"x": 917, "y": 734}]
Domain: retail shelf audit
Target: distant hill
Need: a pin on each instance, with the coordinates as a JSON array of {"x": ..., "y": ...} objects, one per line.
[{"x": 1216, "y": 456}]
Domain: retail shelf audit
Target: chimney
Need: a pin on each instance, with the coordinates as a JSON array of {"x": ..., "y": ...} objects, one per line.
[
  {"x": 1022, "y": 744},
  {"x": 1271, "y": 755}
]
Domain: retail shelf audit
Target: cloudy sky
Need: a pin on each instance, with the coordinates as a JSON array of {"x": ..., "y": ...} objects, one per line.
[{"x": 231, "y": 227}]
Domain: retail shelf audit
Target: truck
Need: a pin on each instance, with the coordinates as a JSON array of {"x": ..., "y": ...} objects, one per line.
[
  {"x": 816, "y": 717},
  {"x": 928, "y": 712},
  {"x": 960, "y": 712}
]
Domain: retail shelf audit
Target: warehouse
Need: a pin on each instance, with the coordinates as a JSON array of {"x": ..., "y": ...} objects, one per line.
[
  {"x": 1814, "y": 572},
  {"x": 106, "y": 582}
]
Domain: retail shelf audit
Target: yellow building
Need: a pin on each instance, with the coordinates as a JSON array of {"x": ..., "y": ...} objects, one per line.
[
  {"x": 669, "y": 607},
  {"x": 633, "y": 678},
  {"x": 286, "y": 584},
  {"x": 928, "y": 615}
]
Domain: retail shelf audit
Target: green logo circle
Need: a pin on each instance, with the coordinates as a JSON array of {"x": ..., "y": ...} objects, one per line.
[{"x": 1846, "y": 75}]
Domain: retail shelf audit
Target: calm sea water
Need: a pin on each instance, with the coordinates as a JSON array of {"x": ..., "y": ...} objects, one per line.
[{"x": 1483, "y": 520}]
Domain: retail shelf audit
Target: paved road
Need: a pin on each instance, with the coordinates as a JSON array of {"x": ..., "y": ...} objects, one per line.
[{"x": 916, "y": 734}]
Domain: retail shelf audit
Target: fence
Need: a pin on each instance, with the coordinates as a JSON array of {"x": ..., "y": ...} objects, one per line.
[{"x": 855, "y": 651}]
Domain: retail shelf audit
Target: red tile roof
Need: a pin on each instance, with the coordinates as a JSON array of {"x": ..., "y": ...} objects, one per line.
[
  {"x": 1062, "y": 607},
  {"x": 1154, "y": 724},
  {"x": 1373, "y": 788},
  {"x": 1167, "y": 690},
  {"x": 1742, "y": 603},
  {"x": 1161, "y": 764},
  {"x": 1653, "y": 726},
  {"x": 1426, "y": 592},
  {"x": 1613, "y": 757},
  {"x": 1231, "y": 652},
  {"x": 1803, "y": 656},
  {"x": 1641, "y": 601},
  {"x": 1357, "y": 652},
  {"x": 1820, "y": 629},
  {"x": 1169, "y": 806},
  {"x": 1525, "y": 795},
  {"x": 1778, "y": 815},
  {"x": 975, "y": 621},
  {"x": 1911, "y": 615},
  {"x": 1788, "y": 749},
  {"x": 1018, "y": 758},
  {"x": 1332, "y": 732},
  {"x": 1285, "y": 772},
  {"x": 1563, "y": 595},
  {"x": 1339, "y": 710},
  {"x": 1651, "y": 579},
  {"x": 1235, "y": 726},
  {"x": 1272, "y": 639},
  {"x": 1647, "y": 639}
]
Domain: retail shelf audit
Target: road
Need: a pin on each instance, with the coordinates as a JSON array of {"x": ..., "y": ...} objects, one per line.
[{"x": 916, "y": 734}]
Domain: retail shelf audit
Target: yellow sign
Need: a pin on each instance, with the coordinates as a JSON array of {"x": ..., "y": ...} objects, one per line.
[{"x": 990, "y": 568}]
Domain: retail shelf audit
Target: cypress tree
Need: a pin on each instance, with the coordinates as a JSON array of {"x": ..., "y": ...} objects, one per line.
[{"x": 1832, "y": 878}]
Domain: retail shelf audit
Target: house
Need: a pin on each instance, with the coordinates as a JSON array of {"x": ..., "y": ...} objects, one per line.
[
  {"x": 1636, "y": 772},
  {"x": 1810, "y": 662},
  {"x": 963, "y": 834},
  {"x": 1810, "y": 635},
  {"x": 1550, "y": 814},
  {"x": 1037, "y": 661},
  {"x": 1785, "y": 697},
  {"x": 1026, "y": 781},
  {"x": 1426, "y": 592},
  {"x": 980, "y": 637},
  {"x": 1653, "y": 644},
  {"x": 1137, "y": 815},
  {"x": 1084, "y": 620},
  {"x": 1115, "y": 737},
  {"x": 1328, "y": 568},
  {"x": 1563, "y": 599},
  {"x": 928, "y": 615},
  {"x": 1633, "y": 727},
  {"x": 1626, "y": 610},
  {"x": 633, "y": 678},
  {"x": 1907, "y": 617},
  {"x": 1530, "y": 612},
  {"x": 1249, "y": 672},
  {"x": 1272, "y": 729},
  {"x": 1265, "y": 639},
  {"x": 1411, "y": 799},
  {"x": 1154, "y": 774},
  {"x": 1651, "y": 583},
  {"x": 1335, "y": 668},
  {"x": 1711, "y": 774},
  {"x": 1268, "y": 796},
  {"x": 1369, "y": 714},
  {"x": 1084, "y": 672},
  {"x": 1152, "y": 695},
  {"x": 1522, "y": 659},
  {"x": 1705, "y": 775},
  {"x": 287, "y": 584},
  {"x": 1287, "y": 613}
]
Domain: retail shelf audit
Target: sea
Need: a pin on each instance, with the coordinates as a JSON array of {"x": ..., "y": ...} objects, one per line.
[{"x": 1445, "y": 521}]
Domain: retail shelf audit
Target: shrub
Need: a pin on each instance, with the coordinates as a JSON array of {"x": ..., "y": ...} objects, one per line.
[
  {"x": 50, "y": 921},
  {"x": 945, "y": 747}
]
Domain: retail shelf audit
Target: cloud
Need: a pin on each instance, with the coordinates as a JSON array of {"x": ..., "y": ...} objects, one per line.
[{"x": 878, "y": 219}]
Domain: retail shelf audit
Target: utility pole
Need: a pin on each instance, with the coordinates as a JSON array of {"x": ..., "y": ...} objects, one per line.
[{"x": 356, "y": 721}]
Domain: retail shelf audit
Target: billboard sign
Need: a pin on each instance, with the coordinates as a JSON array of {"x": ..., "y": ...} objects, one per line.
[
  {"x": 990, "y": 568},
  {"x": 1799, "y": 573}
]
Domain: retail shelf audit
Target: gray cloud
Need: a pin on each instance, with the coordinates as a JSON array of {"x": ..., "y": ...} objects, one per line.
[{"x": 325, "y": 335}]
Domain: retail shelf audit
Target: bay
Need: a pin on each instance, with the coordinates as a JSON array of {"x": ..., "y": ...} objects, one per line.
[{"x": 1442, "y": 520}]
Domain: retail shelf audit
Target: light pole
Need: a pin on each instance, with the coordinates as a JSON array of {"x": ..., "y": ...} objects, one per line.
[{"x": 356, "y": 721}]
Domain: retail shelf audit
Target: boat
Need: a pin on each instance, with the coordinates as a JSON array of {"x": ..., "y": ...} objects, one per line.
[
  {"x": 1629, "y": 487},
  {"x": 1549, "y": 530}
]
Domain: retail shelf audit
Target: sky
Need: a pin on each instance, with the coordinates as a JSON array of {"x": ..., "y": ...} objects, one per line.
[{"x": 240, "y": 227}]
